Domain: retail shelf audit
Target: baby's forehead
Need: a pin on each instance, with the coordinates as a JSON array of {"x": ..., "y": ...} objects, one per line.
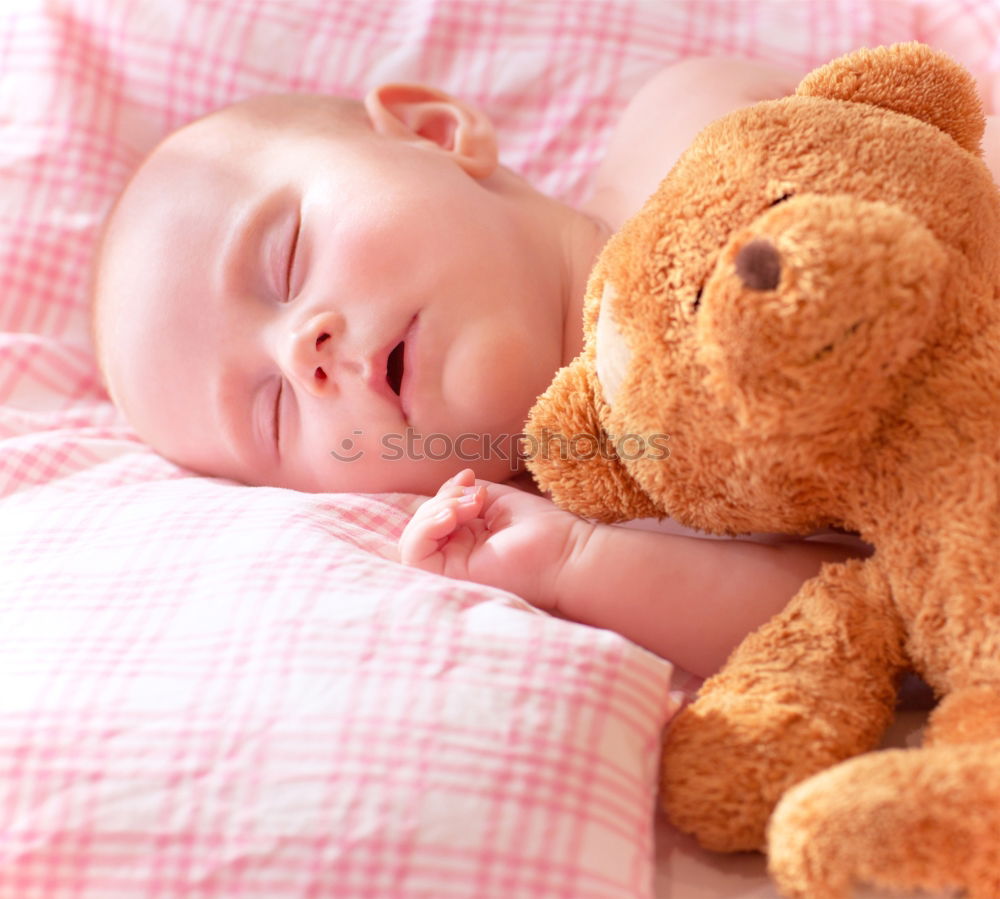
[
  {"x": 252, "y": 123},
  {"x": 229, "y": 136},
  {"x": 231, "y": 140},
  {"x": 219, "y": 154}
]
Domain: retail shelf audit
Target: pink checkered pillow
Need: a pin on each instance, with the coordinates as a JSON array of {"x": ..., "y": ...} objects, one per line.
[
  {"x": 219, "y": 691},
  {"x": 216, "y": 691}
]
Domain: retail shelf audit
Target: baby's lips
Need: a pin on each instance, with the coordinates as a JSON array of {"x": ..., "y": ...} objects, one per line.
[
  {"x": 378, "y": 376},
  {"x": 411, "y": 367}
]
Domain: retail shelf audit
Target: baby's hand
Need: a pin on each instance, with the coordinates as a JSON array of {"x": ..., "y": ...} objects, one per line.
[{"x": 494, "y": 534}]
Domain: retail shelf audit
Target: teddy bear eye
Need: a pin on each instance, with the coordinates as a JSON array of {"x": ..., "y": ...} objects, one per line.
[{"x": 781, "y": 199}]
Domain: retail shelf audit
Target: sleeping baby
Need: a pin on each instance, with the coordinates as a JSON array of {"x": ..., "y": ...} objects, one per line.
[{"x": 325, "y": 294}]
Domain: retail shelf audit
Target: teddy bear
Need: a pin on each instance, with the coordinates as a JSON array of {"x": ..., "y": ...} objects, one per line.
[{"x": 809, "y": 309}]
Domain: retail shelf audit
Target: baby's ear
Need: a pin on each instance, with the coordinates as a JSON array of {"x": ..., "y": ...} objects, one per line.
[
  {"x": 423, "y": 115},
  {"x": 571, "y": 457}
]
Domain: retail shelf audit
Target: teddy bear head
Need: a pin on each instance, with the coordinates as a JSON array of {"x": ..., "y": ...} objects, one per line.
[{"x": 751, "y": 331}]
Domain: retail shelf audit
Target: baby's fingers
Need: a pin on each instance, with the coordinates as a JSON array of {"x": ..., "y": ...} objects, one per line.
[
  {"x": 465, "y": 478},
  {"x": 422, "y": 536},
  {"x": 435, "y": 521}
]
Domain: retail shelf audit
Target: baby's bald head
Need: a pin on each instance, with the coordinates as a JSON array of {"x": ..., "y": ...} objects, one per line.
[{"x": 288, "y": 289}]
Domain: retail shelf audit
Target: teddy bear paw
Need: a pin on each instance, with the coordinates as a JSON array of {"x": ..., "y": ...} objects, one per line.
[
  {"x": 721, "y": 777},
  {"x": 923, "y": 819}
]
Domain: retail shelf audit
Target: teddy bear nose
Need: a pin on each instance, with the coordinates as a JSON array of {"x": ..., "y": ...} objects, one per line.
[{"x": 759, "y": 265}]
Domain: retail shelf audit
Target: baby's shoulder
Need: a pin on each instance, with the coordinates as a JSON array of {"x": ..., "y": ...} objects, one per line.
[{"x": 665, "y": 115}]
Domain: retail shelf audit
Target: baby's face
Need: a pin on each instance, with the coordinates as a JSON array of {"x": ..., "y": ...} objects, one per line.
[{"x": 290, "y": 301}]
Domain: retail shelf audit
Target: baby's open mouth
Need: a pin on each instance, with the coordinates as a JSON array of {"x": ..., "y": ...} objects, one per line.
[{"x": 394, "y": 367}]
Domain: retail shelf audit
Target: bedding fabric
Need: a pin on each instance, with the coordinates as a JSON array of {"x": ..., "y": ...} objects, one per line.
[{"x": 208, "y": 690}]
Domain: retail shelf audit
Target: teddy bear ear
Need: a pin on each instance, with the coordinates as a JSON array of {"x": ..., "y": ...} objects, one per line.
[
  {"x": 908, "y": 78},
  {"x": 571, "y": 457}
]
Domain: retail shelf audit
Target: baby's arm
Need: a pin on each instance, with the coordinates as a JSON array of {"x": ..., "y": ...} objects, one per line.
[
  {"x": 690, "y": 600},
  {"x": 686, "y": 599}
]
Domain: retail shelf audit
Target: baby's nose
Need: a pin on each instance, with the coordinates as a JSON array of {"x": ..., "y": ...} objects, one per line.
[
  {"x": 320, "y": 373},
  {"x": 312, "y": 353}
]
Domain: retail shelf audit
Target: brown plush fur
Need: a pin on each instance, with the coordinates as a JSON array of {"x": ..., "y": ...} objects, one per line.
[{"x": 808, "y": 307}]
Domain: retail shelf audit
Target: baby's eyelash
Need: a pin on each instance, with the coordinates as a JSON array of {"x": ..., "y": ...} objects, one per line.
[
  {"x": 293, "y": 246},
  {"x": 277, "y": 413}
]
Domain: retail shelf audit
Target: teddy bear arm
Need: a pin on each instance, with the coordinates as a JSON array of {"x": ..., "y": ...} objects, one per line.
[
  {"x": 570, "y": 456},
  {"x": 813, "y": 686}
]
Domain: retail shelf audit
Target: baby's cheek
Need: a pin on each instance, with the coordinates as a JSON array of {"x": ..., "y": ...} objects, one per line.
[{"x": 492, "y": 379}]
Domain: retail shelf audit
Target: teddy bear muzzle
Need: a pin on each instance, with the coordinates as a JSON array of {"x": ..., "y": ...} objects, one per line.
[{"x": 818, "y": 290}]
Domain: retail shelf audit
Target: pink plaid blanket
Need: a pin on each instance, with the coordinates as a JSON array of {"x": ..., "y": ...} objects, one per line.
[{"x": 216, "y": 691}]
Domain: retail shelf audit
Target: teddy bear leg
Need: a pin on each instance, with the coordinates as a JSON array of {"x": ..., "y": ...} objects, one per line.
[
  {"x": 813, "y": 686},
  {"x": 901, "y": 819}
]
